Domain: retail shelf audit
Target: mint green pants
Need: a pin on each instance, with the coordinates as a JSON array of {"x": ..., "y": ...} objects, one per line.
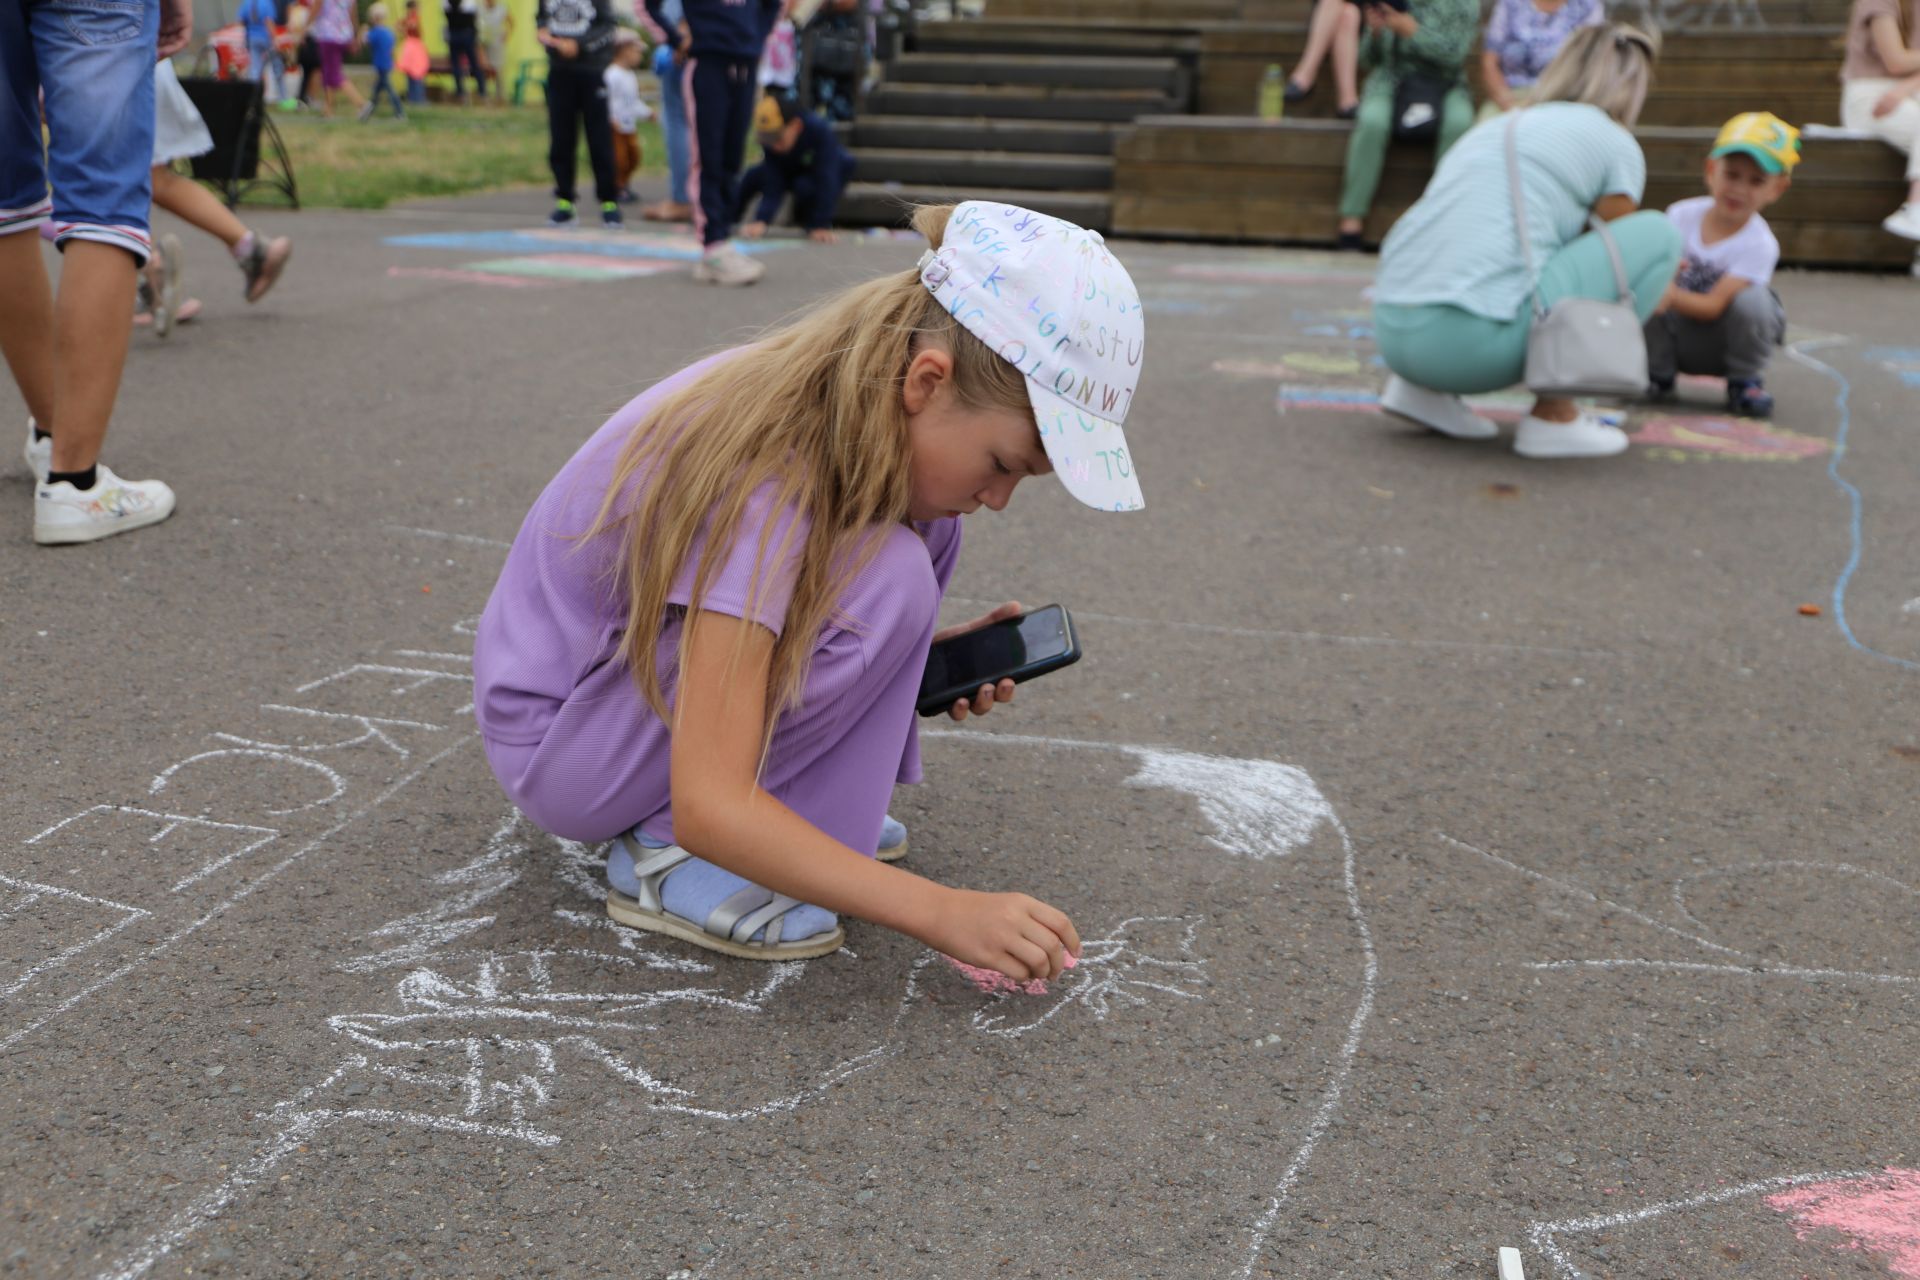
[
  {"x": 1444, "y": 348},
  {"x": 1373, "y": 130}
]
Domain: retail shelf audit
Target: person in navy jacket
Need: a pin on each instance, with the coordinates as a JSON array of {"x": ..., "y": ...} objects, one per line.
[
  {"x": 803, "y": 159},
  {"x": 719, "y": 44}
]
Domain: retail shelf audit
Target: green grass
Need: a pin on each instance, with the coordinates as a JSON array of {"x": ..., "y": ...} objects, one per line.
[{"x": 436, "y": 151}]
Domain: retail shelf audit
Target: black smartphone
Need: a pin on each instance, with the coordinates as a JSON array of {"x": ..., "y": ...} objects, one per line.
[
  {"x": 1400, "y": 5},
  {"x": 1021, "y": 648}
]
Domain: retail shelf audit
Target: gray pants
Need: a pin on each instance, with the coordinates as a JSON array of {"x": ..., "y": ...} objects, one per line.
[{"x": 1736, "y": 346}]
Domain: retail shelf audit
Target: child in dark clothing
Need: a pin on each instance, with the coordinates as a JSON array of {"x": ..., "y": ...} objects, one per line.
[
  {"x": 378, "y": 39},
  {"x": 578, "y": 35},
  {"x": 804, "y": 158}
]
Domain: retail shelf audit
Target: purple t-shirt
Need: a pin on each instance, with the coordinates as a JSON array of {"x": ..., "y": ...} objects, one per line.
[{"x": 552, "y": 628}]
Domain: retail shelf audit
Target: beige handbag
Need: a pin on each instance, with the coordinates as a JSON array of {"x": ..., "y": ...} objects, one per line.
[{"x": 1579, "y": 346}]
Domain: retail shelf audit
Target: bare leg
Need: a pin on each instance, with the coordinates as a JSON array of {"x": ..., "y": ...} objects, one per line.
[
  {"x": 187, "y": 199},
  {"x": 1554, "y": 409},
  {"x": 26, "y": 322},
  {"x": 1346, "y": 55},
  {"x": 91, "y": 325},
  {"x": 1320, "y": 31}
]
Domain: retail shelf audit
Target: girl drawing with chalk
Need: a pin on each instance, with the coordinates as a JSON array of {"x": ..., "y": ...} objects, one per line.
[{"x": 708, "y": 639}]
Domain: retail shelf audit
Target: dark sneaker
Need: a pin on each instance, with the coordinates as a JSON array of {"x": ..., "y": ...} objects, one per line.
[
  {"x": 562, "y": 215},
  {"x": 1662, "y": 392},
  {"x": 610, "y": 216},
  {"x": 1749, "y": 399}
]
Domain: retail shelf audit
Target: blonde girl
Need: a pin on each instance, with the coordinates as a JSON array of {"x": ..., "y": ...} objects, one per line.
[
  {"x": 707, "y": 642},
  {"x": 1879, "y": 78}
]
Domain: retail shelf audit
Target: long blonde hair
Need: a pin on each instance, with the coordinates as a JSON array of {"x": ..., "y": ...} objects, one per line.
[
  {"x": 814, "y": 409},
  {"x": 1608, "y": 66}
]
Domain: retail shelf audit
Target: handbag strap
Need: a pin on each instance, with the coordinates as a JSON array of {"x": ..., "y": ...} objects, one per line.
[{"x": 1594, "y": 221}]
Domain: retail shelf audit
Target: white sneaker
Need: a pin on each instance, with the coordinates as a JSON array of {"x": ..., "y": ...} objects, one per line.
[
  {"x": 1435, "y": 410},
  {"x": 38, "y": 453},
  {"x": 1904, "y": 221},
  {"x": 728, "y": 266},
  {"x": 1584, "y": 437},
  {"x": 63, "y": 514}
]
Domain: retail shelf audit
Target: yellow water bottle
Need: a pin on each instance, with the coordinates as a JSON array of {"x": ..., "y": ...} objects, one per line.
[{"x": 1273, "y": 93}]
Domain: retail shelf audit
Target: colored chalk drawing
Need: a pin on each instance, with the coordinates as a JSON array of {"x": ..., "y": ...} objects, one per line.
[
  {"x": 546, "y": 256},
  {"x": 1902, "y": 362},
  {"x": 1876, "y": 1211},
  {"x": 1681, "y": 439},
  {"x": 1879, "y": 1214}
]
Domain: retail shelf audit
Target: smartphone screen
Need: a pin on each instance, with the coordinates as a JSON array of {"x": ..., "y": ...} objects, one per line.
[{"x": 983, "y": 656}]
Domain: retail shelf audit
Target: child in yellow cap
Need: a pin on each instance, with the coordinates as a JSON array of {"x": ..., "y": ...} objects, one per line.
[
  {"x": 801, "y": 157},
  {"x": 1720, "y": 315}
]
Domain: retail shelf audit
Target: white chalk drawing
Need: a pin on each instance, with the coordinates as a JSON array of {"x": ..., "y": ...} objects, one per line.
[
  {"x": 483, "y": 1036},
  {"x": 20, "y": 898},
  {"x": 1911, "y": 606}
]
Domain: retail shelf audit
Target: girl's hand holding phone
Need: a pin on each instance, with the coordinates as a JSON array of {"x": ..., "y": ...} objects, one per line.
[
  {"x": 989, "y": 694},
  {"x": 1009, "y": 933}
]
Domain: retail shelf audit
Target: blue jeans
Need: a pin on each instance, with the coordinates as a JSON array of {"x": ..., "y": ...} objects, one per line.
[
  {"x": 673, "y": 128},
  {"x": 463, "y": 52},
  {"x": 383, "y": 87},
  {"x": 266, "y": 68},
  {"x": 94, "y": 61}
]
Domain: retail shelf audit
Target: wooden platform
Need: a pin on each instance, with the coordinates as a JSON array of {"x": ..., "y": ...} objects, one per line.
[{"x": 1219, "y": 178}]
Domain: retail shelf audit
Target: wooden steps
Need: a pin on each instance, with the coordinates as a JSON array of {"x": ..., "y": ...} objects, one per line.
[
  {"x": 889, "y": 204},
  {"x": 1194, "y": 177}
]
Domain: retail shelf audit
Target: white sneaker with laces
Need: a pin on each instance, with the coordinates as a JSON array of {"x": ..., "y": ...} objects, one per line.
[
  {"x": 728, "y": 266},
  {"x": 1584, "y": 437},
  {"x": 38, "y": 453},
  {"x": 63, "y": 514},
  {"x": 1435, "y": 410},
  {"x": 1904, "y": 221}
]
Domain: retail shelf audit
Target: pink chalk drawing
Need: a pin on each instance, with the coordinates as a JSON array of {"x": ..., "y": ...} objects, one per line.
[
  {"x": 1678, "y": 439},
  {"x": 1879, "y": 1213},
  {"x": 993, "y": 982}
]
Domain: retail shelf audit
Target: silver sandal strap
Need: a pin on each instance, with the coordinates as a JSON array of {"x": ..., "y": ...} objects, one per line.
[
  {"x": 651, "y": 868},
  {"x": 772, "y": 917},
  {"x": 725, "y": 920}
]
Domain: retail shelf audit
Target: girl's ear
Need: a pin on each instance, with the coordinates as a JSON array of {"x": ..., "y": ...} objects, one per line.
[{"x": 928, "y": 371}]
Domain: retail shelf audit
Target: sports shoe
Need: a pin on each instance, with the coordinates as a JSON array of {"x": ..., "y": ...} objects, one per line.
[
  {"x": 728, "y": 266},
  {"x": 610, "y": 216},
  {"x": 39, "y": 454},
  {"x": 1748, "y": 398},
  {"x": 64, "y": 514},
  {"x": 562, "y": 215},
  {"x": 1904, "y": 221},
  {"x": 264, "y": 265},
  {"x": 1584, "y": 437},
  {"x": 160, "y": 281},
  {"x": 1661, "y": 392},
  {"x": 1435, "y": 410}
]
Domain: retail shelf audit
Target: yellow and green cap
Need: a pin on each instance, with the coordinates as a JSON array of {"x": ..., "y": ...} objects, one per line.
[{"x": 1772, "y": 142}]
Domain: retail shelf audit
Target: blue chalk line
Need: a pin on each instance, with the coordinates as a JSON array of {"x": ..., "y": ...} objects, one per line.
[{"x": 1842, "y": 403}]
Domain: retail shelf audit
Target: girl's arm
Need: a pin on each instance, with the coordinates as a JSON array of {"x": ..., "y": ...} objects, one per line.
[
  {"x": 1614, "y": 207},
  {"x": 721, "y": 814},
  {"x": 1495, "y": 80},
  {"x": 1893, "y": 51}
]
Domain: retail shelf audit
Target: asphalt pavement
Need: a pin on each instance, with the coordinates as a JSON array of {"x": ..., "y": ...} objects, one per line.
[{"x": 1470, "y": 852}]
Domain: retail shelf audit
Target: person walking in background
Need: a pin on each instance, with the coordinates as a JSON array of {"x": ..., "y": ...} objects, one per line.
[
  {"x": 668, "y": 66},
  {"x": 834, "y": 51},
  {"x": 1720, "y": 315},
  {"x": 256, "y": 19},
  {"x": 804, "y": 158},
  {"x": 1418, "y": 56},
  {"x": 378, "y": 39},
  {"x": 625, "y": 110},
  {"x": 720, "y": 43},
  {"x": 1521, "y": 39},
  {"x": 333, "y": 32},
  {"x": 496, "y": 28},
  {"x": 1879, "y": 78},
  {"x": 1334, "y": 29},
  {"x": 93, "y": 179},
  {"x": 578, "y": 35},
  {"x": 463, "y": 46},
  {"x": 1453, "y": 300},
  {"x": 307, "y": 52}
]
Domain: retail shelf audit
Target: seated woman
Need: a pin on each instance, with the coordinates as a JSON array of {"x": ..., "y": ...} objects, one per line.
[
  {"x": 1425, "y": 44},
  {"x": 1452, "y": 302},
  {"x": 1334, "y": 29},
  {"x": 1522, "y": 38},
  {"x": 1878, "y": 83}
]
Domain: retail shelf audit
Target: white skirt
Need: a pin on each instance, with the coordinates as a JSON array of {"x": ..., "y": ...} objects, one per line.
[{"x": 178, "y": 131}]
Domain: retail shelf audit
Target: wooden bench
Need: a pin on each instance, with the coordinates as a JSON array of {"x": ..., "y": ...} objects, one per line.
[
  {"x": 1243, "y": 179},
  {"x": 1703, "y": 77}
]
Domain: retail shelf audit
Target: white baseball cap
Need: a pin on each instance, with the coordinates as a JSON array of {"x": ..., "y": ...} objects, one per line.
[{"x": 1046, "y": 296}]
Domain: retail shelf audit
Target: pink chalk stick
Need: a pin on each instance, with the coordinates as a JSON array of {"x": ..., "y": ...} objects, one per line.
[
  {"x": 993, "y": 982},
  {"x": 1880, "y": 1214}
]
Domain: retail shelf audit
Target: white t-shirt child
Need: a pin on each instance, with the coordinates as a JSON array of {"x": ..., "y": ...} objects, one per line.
[
  {"x": 1751, "y": 253},
  {"x": 625, "y": 106}
]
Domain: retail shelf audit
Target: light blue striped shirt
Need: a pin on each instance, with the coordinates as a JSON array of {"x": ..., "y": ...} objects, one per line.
[{"x": 1458, "y": 244}]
